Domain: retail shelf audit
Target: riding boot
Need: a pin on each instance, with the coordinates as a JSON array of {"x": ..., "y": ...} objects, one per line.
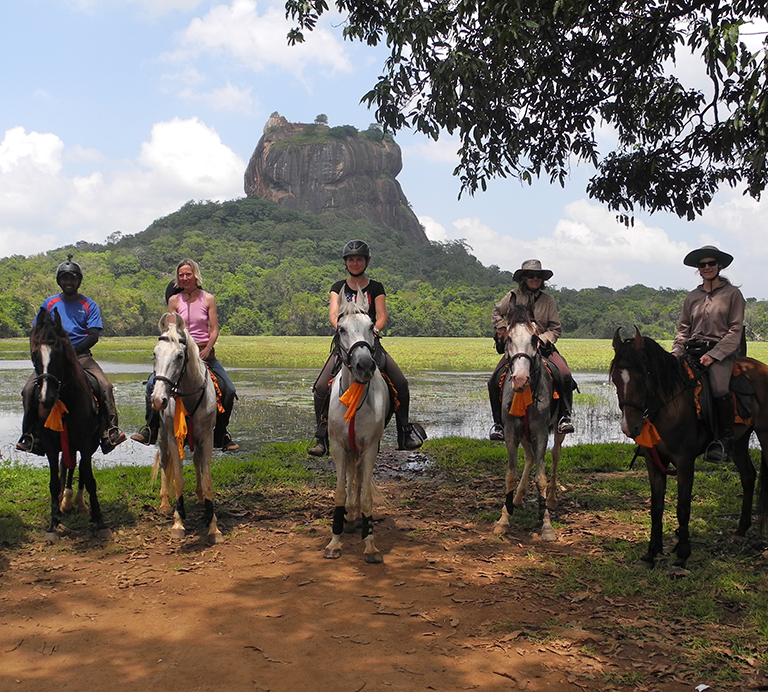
[
  {"x": 564, "y": 424},
  {"x": 719, "y": 449},
  {"x": 410, "y": 436},
  {"x": 148, "y": 434},
  {"x": 321, "y": 446},
  {"x": 494, "y": 395}
]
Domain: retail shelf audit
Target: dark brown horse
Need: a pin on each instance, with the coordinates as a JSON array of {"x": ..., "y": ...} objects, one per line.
[
  {"x": 657, "y": 392},
  {"x": 65, "y": 400}
]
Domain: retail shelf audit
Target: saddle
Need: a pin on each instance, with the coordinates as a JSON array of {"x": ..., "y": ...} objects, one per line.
[{"x": 741, "y": 389}]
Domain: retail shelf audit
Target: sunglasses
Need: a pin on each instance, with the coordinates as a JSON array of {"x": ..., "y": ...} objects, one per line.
[
  {"x": 533, "y": 275},
  {"x": 712, "y": 263}
]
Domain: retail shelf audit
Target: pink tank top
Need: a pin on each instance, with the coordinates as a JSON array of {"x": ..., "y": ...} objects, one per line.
[{"x": 195, "y": 316}]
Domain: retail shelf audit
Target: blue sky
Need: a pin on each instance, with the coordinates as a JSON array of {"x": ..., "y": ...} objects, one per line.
[{"x": 117, "y": 112}]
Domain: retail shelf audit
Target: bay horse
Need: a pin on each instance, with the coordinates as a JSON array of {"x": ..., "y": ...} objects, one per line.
[
  {"x": 657, "y": 399},
  {"x": 185, "y": 395},
  {"x": 528, "y": 415},
  {"x": 67, "y": 405},
  {"x": 359, "y": 403}
]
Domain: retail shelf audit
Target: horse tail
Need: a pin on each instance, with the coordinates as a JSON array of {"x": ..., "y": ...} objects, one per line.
[
  {"x": 762, "y": 495},
  {"x": 156, "y": 467}
]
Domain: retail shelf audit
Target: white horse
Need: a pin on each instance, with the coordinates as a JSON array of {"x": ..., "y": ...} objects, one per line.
[
  {"x": 356, "y": 418},
  {"x": 182, "y": 380},
  {"x": 528, "y": 417}
]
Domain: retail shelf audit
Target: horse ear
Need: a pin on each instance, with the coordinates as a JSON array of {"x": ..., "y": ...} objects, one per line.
[
  {"x": 179, "y": 321},
  {"x": 617, "y": 339},
  {"x": 362, "y": 300},
  {"x": 638, "y": 339}
]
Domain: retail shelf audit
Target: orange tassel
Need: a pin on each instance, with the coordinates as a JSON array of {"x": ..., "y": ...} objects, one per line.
[
  {"x": 649, "y": 436},
  {"x": 351, "y": 399},
  {"x": 55, "y": 420},
  {"x": 180, "y": 426},
  {"x": 520, "y": 402}
]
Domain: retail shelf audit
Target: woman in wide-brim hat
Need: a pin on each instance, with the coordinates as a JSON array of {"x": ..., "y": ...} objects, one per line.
[
  {"x": 711, "y": 331},
  {"x": 530, "y": 279}
]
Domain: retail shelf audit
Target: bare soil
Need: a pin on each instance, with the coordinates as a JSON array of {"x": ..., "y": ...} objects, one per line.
[{"x": 453, "y": 607}]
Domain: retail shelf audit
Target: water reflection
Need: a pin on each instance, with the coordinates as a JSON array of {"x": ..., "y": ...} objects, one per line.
[{"x": 276, "y": 405}]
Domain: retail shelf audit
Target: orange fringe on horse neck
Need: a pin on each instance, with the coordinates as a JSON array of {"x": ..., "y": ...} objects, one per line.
[
  {"x": 351, "y": 399},
  {"x": 180, "y": 426},
  {"x": 55, "y": 420},
  {"x": 520, "y": 402},
  {"x": 649, "y": 436}
]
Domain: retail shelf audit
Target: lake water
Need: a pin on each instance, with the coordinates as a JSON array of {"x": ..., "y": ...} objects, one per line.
[{"x": 276, "y": 405}]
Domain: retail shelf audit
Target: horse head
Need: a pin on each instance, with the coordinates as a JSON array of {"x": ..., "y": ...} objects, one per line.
[
  {"x": 522, "y": 344},
  {"x": 171, "y": 357},
  {"x": 630, "y": 375},
  {"x": 53, "y": 356},
  {"x": 355, "y": 336}
]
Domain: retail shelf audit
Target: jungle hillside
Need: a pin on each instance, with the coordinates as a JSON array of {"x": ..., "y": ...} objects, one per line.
[{"x": 271, "y": 267}]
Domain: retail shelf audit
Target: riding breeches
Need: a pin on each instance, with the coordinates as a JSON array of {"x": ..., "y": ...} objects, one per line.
[{"x": 720, "y": 376}]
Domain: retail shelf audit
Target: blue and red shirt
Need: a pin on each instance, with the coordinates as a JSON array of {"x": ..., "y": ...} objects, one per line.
[{"x": 77, "y": 316}]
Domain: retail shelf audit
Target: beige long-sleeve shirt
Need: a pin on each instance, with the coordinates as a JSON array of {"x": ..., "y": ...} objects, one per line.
[
  {"x": 544, "y": 312},
  {"x": 716, "y": 315}
]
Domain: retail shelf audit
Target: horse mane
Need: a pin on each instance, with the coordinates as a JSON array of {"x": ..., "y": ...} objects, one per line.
[
  {"x": 664, "y": 371},
  {"x": 351, "y": 307},
  {"x": 48, "y": 331},
  {"x": 176, "y": 336},
  {"x": 520, "y": 314}
]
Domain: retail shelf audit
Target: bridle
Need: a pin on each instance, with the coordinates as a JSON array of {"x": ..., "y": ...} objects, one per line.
[
  {"x": 346, "y": 353},
  {"x": 174, "y": 385}
]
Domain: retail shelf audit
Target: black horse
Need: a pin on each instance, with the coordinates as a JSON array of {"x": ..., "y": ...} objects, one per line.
[
  {"x": 67, "y": 407},
  {"x": 657, "y": 397}
]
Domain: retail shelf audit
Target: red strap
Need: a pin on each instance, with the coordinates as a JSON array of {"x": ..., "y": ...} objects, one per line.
[{"x": 66, "y": 452}]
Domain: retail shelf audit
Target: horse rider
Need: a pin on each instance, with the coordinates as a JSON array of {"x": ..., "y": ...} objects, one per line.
[
  {"x": 530, "y": 279},
  {"x": 185, "y": 296},
  {"x": 357, "y": 256},
  {"x": 81, "y": 319},
  {"x": 711, "y": 330}
]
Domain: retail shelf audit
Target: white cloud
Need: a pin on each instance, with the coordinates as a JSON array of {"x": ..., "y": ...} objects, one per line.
[
  {"x": 227, "y": 98},
  {"x": 433, "y": 229},
  {"x": 258, "y": 41},
  {"x": 444, "y": 150},
  {"x": 42, "y": 206},
  {"x": 150, "y": 7}
]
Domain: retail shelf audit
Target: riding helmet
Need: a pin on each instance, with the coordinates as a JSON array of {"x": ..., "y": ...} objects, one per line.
[
  {"x": 69, "y": 267},
  {"x": 356, "y": 247}
]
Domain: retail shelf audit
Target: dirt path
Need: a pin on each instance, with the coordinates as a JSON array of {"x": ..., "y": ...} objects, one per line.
[{"x": 450, "y": 609}]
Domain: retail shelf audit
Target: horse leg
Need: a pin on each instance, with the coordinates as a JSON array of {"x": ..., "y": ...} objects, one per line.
[
  {"x": 525, "y": 478},
  {"x": 658, "y": 483},
  {"x": 54, "y": 485},
  {"x": 202, "y": 459},
  {"x": 552, "y": 486},
  {"x": 371, "y": 552},
  {"x": 165, "y": 505},
  {"x": 65, "y": 482},
  {"x": 353, "y": 520},
  {"x": 200, "y": 482},
  {"x": 746, "y": 469},
  {"x": 540, "y": 450},
  {"x": 684, "y": 493},
  {"x": 510, "y": 482},
  {"x": 178, "y": 532},
  {"x": 89, "y": 481},
  {"x": 333, "y": 549}
]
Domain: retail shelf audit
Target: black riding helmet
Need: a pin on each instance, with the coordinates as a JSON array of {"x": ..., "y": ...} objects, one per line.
[
  {"x": 356, "y": 248},
  {"x": 69, "y": 267}
]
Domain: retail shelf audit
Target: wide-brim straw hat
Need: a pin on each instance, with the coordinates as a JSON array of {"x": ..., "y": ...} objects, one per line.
[
  {"x": 532, "y": 265},
  {"x": 693, "y": 258}
]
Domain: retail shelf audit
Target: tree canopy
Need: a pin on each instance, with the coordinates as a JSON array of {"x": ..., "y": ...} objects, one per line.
[{"x": 526, "y": 84}]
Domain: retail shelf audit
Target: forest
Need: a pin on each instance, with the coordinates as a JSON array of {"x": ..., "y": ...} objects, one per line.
[{"x": 270, "y": 269}]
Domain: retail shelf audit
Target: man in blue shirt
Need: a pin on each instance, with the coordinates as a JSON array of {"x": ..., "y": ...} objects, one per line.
[{"x": 81, "y": 319}]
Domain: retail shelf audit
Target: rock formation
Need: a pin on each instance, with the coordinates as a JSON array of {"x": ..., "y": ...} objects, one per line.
[{"x": 315, "y": 168}]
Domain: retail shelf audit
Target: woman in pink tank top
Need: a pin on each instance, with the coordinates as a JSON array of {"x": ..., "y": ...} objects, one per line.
[{"x": 198, "y": 309}]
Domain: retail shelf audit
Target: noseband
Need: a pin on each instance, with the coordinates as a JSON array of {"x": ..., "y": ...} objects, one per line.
[{"x": 346, "y": 354}]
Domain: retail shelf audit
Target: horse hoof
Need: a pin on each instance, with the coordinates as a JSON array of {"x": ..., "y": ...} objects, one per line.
[
  {"x": 178, "y": 534},
  {"x": 500, "y": 529},
  {"x": 548, "y": 534},
  {"x": 373, "y": 558},
  {"x": 735, "y": 538},
  {"x": 104, "y": 534},
  {"x": 51, "y": 537},
  {"x": 332, "y": 553},
  {"x": 676, "y": 572},
  {"x": 215, "y": 538}
]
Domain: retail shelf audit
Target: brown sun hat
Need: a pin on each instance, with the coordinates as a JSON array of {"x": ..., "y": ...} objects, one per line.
[
  {"x": 693, "y": 258},
  {"x": 532, "y": 265}
]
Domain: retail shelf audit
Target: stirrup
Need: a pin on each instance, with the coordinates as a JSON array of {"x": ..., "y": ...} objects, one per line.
[
  {"x": 229, "y": 445},
  {"x": 564, "y": 425},
  {"x": 411, "y": 437},
  {"x": 717, "y": 450},
  {"x": 320, "y": 448},
  {"x": 29, "y": 443},
  {"x": 497, "y": 433}
]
